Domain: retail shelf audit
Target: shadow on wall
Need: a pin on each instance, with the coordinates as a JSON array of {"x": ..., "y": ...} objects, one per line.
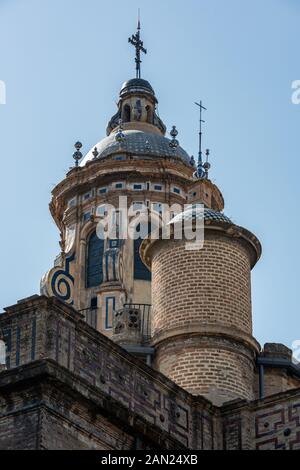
[{"x": 2, "y": 354}]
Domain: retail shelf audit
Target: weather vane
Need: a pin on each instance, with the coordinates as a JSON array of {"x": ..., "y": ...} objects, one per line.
[
  {"x": 136, "y": 41},
  {"x": 202, "y": 168}
]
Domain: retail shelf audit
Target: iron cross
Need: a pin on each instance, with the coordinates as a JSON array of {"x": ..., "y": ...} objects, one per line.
[
  {"x": 135, "y": 40},
  {"x": 200, "y": 131}
]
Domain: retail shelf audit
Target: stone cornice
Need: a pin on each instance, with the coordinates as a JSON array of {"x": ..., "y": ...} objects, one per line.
[
  {"x": 107, "y": 167},
  {"x": 198, "y": 329}
]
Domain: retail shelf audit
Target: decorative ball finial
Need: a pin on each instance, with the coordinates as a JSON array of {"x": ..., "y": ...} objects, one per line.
[
  {"x": 77, "y": 155},
  {"x": 207, "y": 165},
  {"x": 203, "y": 168},
  {"x": 174, "y": 142}
]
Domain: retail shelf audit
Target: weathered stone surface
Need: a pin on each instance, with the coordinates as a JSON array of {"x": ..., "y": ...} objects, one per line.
[{"x": 70, "y": 387}]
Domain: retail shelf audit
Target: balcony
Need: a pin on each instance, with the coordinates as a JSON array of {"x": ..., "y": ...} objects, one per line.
[
  {"x": 145, "y": 318},
  {"x": 143, "y": 311}
]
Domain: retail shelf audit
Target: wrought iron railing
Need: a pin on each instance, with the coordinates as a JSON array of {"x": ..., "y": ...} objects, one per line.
[
  {"x": 90, "y": 316},
  {"x": 145, "y": 310}
]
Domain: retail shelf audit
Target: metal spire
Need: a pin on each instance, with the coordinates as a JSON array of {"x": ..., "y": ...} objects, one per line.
[
  {"x": 202, "y": 168},
  {"x": 201, "y": 108},
  {"x": 136, "y": 41}
]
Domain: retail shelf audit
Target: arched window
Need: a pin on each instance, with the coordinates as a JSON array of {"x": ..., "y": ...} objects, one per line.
[
  {"x": 126, "y": 113},
  {"x": 94, "y": 261},
  {"x": 140, "y": 269}
]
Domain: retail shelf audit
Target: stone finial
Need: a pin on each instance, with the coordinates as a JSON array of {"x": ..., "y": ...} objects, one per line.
[
  {"x": 77, "y": 155},
  {"x": 127, "y": 326},
  {"x": 174, "y": 142}
]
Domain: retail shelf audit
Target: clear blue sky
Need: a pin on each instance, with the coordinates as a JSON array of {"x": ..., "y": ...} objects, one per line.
[{"x": 63, "y": 62}]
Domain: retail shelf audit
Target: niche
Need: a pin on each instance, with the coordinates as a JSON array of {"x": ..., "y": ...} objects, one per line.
[{"x": 126, "y": 113}]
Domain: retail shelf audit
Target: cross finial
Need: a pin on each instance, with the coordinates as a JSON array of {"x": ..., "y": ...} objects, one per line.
[
  {"x": 136, "y": 41},
  {"x": 200, "y": 170}
]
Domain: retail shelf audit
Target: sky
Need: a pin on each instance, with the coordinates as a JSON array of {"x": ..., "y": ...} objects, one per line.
[{"x": 63, "y": 63}]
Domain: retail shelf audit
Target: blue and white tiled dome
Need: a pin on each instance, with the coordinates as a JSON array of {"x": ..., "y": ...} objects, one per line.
[
  {"x": 137, "y": 143},
  {"x": 195, "y": 213}
]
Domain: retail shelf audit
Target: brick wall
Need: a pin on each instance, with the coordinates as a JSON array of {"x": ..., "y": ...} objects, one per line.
[
  {"x": 81, "y": 391},
  {"x": 216, "y": 368},
  {"x": 211, "y": 285},
  {"x": 276, "y": 380},
  {"x": 276, "y": 423},
  {"x": 202, "y": 320},
  {"x": 61, "y": 335},
  {"x": 270, "y": 424},
  {"x": 38, "y": 410}
]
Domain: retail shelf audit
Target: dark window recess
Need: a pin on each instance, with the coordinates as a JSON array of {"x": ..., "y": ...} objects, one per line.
[
  {"x": 176, "y": 190},
  {"x": 119, "y": 185},
  {"x": 137, "y": 186},
  {"x": 114, "y": 243},
  {"x": 140, "y": 270},
  {"x": 102, "y": 191},
  {"x": 94, "y": 303},
  {"x": 126, "y": 113},
  {"x": 157, "y": 187},
  {"x": 94, "y": 269},
  {"x": 86, "y": 216}
]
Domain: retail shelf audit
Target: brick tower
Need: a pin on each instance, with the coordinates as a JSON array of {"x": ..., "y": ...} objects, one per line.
[{"x": 202, "y": 321}]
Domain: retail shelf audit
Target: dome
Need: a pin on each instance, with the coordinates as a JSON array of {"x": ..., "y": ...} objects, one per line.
[
  {"x": 135, "y": 85},
  {"x": 199, "y": 214},
  {"x": 137, "y": 143}
]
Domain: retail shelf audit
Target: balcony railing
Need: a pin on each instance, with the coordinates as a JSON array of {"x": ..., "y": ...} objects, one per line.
[
  {"x": 91, "y": 318},
  {"x": 145, "y": 310}
]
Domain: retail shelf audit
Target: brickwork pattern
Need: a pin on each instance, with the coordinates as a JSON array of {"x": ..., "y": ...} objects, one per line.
[
  {"x": 270, "y": 424},
  {"x": 81, "y": 391},
  {"x": 201, "y": 291},
  {"x": 277, "y": 426},
  {"x": 211, "y": 285},
  {"x": 61, "y": 335},
  {"x": 213, "y": 367}
]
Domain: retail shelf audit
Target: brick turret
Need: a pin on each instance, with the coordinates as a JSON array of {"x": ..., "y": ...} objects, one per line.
[{"x": 202, "y": 321}]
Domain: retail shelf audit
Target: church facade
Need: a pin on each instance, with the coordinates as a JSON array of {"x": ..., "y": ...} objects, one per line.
[{"x": 142, "y": 341}]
